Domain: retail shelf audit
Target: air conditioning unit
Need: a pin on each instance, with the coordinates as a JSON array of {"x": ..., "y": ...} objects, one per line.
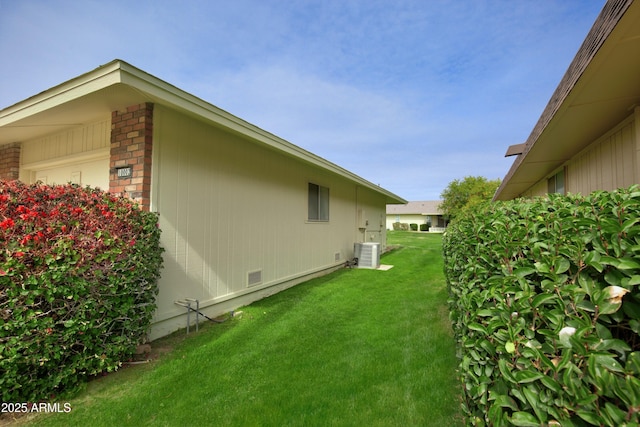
[{"x": 368, "y": 254}]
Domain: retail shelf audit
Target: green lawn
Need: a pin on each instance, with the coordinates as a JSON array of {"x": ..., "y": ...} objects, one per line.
[{"x": 354, "y": 348}]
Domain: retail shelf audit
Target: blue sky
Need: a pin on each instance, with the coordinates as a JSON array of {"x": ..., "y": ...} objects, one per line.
[{"x": 409, "y": 95}]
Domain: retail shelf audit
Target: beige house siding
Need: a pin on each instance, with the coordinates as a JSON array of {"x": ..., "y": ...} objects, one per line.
[
  {"x": 607, "y": 164},
  {"x": 233, "y": 199},
  {"x": 229, "y": 208},
  {"x": 407, "y": 219},
  {"x": 79, "y": 155},
  {"x": 370, "y": 215}
]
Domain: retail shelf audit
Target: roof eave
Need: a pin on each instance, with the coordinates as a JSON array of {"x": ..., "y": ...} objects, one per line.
[
  {"x": 577, "y": 114},
  {"x": 144, "y": 87}
]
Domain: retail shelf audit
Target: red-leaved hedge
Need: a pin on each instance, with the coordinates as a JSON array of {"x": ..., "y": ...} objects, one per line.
[{"x": 78, "y": 280}]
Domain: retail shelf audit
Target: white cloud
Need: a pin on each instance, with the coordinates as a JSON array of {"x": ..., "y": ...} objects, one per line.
[{"x": 409, "y": 94}]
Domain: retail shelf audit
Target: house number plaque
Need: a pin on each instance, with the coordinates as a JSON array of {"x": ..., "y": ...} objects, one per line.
[{"x": 125, "y": 172}]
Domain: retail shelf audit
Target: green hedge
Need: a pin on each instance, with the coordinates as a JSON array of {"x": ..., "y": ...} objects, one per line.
[
  {"x": 78, "y": 280},
  {"x": 400, "y": 226},
  {"x": 545, "y": 308}
]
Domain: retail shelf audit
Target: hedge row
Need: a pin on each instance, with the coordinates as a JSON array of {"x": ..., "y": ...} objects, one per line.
[
  {"x": 403, "y": 226},
  {"x": 545, "y": 306},
  {"x": 78, "y": 280}
]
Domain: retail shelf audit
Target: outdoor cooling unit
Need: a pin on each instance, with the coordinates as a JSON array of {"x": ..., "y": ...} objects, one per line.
[{"x": 368, "y": 254}]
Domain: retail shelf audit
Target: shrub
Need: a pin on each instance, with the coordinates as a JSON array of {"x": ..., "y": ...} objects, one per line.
[
  {"x": 400, "y": 226},
  {"x": 78, "y": 280},
  {"x": 414, "y": 227},
  {"x": 546, "y": 310},
  {"x": 424, "y": 227}
]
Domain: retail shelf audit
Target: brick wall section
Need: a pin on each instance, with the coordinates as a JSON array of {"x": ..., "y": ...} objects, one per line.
[
  {"x": 131, "y": 141},
  {"x": 10, "y": 161}
]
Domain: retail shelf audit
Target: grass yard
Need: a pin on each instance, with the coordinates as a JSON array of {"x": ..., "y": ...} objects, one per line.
[{"x": 354, "y": 348}]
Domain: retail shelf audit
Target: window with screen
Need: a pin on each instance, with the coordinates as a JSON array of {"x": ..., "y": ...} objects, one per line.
[
  {"x": 318, "y": 203},
  {"x": 555, "y": 184}
]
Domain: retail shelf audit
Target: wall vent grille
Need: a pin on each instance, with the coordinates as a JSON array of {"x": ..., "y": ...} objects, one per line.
[{"x": 254, "y": 278}]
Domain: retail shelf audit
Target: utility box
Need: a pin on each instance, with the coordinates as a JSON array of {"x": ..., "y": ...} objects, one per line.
[{"x": 368, "y": 254}]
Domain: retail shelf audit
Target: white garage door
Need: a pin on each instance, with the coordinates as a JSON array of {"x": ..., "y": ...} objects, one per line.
[{"x": 94, "y": 173}]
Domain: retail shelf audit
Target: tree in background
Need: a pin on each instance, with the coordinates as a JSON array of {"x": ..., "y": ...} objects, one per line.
[{"x": 467, "y": 194}]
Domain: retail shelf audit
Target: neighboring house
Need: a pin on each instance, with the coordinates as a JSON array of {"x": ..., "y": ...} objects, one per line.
[
  {"x": 243, "y": 213},
  {"x": 425, "y": 212},
  {"x": 588, "y": 137}
]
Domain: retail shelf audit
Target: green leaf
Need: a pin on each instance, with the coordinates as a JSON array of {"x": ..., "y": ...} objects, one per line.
[
  {"x": 626, "y": 225},
  {"x": 542, "y": 267},
  {"x": 616, "y": 345},
  {"x": 614, "y": 278},
  {"x": 510, "y": 347},
  {"x": 524, "y": 271},
  {"x": 609, "y": 260},
  {"x": 534, "y": 401},
  {"x": 505, "y": 371},
  {"x": 523, "y": 377},
  {"x": 524, "y": 419},
  {"x": 551, "y": 384},
  {"x": 561, "y": 265},
  {"x": 632, "y": 385},
  {"x": 588, "y": 399},
  {"x": 631, "y": 281},
  {"x": 592, "y": 259},
  {"x": 615, "y": 414},
  {"x": 628, "y": 264},
  {"x": 590, "y": 417},
  {"x": 587, "y": 283},
  {"x": 477, "y": 327},
  {"x": 505, "y": 401},
  {"x": 542, "y": 299},
  {"x": 485, "y": 313},
  {"x": 607, "y": 307},
  {"x": 488, "y": 347},
  {"x": 608, "y": 362},
  {"x": 587, "y": 306}
]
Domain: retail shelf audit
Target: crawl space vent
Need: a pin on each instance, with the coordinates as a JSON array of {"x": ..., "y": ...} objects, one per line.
[{"x": 254, "y": 278}]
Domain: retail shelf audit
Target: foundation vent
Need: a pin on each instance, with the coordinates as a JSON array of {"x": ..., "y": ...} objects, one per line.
[{"x": 254, "y": 278}]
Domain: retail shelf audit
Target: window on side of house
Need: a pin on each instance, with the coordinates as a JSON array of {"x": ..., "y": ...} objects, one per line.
[
  {"x": 318, "y": 203},
  {"x": 555, "y": 184}
]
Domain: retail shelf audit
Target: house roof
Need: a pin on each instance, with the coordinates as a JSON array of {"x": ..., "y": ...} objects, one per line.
[
  {"x": 427, "y": 207},
  {"x": 599, "y": 90},
  {"x": 117, "y": 85}
]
